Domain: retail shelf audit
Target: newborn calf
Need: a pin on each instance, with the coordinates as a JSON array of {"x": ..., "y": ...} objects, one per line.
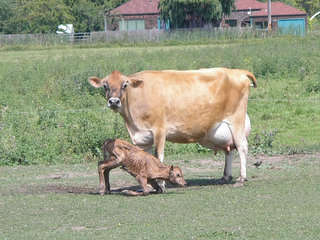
[{"x": 141, "y": 165}]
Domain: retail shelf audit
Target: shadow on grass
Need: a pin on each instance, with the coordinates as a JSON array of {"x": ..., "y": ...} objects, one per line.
[
  {"x": 207, "y": 182},
  {"x": 65, "y": 189}
]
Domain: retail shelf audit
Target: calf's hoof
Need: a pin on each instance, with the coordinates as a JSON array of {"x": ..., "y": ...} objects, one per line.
[
  {"x": 162, "y": 187},
  {"x": 161, "y": 190}
]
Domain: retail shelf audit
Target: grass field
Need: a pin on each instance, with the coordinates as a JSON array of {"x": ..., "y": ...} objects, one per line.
[
  {"x": 50, "y": 117},
  {"x": 280, "y": 201},
  {"x": 50, "y": 114}
]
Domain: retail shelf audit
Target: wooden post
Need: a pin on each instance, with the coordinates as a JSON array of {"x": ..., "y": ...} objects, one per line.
[{"x": 269, "y": 16}]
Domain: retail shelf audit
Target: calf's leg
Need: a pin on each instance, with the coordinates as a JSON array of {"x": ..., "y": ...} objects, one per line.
[
  {"x": 144, "y": 185},
  {"x": 104, "y": 168},
  {"x": 154, "y": 183}
]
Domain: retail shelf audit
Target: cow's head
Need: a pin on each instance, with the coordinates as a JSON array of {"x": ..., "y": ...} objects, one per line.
[{"x": 115, "y": 86}]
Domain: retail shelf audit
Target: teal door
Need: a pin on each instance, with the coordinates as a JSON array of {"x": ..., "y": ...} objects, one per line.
[{"x": 292, "y": 26}]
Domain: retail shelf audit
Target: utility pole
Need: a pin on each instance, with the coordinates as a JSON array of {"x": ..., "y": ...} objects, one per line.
[{"x": 269, "y": 16}]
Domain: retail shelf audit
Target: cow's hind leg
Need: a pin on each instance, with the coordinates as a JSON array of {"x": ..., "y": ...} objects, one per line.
[
  {"x": 243, "y": 151},
  {"x": 227, "y": 176}
]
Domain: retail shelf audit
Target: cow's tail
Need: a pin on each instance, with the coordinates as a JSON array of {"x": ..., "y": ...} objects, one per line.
[{"x": 252, "y": 77}]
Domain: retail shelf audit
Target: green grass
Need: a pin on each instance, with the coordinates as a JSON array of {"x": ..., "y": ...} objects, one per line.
[
  {"x": 280, "y": 201},
  {"x": 50, "y": 114}
]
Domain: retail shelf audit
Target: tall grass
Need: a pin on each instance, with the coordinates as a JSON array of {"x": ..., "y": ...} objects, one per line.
[{"x": 49, "y": 113}]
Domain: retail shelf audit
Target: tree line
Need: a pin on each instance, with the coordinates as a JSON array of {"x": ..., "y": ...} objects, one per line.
[{"x": 44, "y": 16}]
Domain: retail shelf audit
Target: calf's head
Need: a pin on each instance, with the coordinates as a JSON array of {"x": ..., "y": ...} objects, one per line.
[
  {"x": 176, "y": 177},
  {"x": 115, "y": 86}
]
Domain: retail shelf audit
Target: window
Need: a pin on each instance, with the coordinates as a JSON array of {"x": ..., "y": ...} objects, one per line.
[
  {"x": 231, "y": 22},
  {"x": 125, "y": 25},
  {"x": 261, "y": 25}
]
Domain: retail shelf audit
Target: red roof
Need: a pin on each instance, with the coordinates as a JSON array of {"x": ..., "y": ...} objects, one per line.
[
  {"x": 278, "y": 9},
  {"x": 242, "y": 5},
  {"x": 134, "y": 7}
]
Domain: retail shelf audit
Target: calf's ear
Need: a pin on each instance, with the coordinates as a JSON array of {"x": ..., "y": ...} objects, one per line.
[
  {"x": 171, "y": 169},
  {"x": 95, "y": 82}
]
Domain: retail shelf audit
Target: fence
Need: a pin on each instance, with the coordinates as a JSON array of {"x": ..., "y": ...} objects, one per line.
[{"x": 130, "y": 36}]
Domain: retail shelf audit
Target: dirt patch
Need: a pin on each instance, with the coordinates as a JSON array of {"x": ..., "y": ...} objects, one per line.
[{"x": 51, "y": 182}]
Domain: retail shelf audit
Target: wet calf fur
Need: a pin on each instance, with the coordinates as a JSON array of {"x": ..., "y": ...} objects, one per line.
[{"x": 140, "y": 164}]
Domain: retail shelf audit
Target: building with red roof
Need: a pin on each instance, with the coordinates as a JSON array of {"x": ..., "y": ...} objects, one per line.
[
  {"x": 255, "y": 14},
  {"x": 144, "y": 14},
  {"x": 136, "y": 15}
]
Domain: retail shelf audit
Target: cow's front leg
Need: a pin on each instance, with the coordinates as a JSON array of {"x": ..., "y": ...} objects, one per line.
[{"x": 159, "y": 142}]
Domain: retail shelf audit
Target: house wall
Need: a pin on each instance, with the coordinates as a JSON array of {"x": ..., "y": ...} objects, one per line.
[
  {"x": 151, "y": 21},
  {"x": 239, "y": 16},
  {"x": 274, "y": 20}
]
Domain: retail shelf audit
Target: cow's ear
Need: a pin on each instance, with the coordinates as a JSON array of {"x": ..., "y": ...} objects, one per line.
[
  {"x": 136, "y": 82},
  {"x": 95, "y": 82}
]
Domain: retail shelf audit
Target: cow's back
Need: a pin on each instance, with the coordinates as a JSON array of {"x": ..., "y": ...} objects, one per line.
[{"x": 188, "y": 103}]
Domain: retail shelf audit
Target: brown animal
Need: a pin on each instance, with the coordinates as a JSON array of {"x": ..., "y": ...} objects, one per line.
[
  {"x": 206, "y": 106},
  {"x": 140, "y": 164}
]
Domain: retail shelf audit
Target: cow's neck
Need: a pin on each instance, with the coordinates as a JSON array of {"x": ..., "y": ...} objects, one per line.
[{"x": 126, "y": 114}]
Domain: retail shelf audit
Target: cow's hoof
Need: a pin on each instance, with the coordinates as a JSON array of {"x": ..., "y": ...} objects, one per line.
[
  {"x": 239, "y": 183},
  {"x": 103, "y": 192},
  {"x": 225, "y": 179}
]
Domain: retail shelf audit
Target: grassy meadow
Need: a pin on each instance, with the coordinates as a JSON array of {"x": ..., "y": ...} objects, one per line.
[
  {"x": 50, "y": 117},
  {"x": 50, "y": 114},
  {"x": 280, "y": 201}
]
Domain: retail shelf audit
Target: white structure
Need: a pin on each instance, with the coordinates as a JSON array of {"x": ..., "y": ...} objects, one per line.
[
  {"x": 65, "y": 28},
  {"x": 314, "y": 15}
]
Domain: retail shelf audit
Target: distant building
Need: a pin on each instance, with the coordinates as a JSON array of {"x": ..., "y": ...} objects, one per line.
[
  {"x": 144, "y": 14},
  {"x": 255, "y": 14},
  {"x": 136, "y": 15}
]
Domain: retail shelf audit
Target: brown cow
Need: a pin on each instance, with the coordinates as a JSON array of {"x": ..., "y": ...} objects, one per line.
[
  {"x": 140, "y": 164},
  {"x": 206, "y": 106}
]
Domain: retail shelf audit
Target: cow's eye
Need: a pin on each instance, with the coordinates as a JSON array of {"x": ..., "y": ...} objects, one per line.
[
  {"x": 106, "y": 87},
  {"x": 125, "y": 85},
  {"x": 178, "y": 175}
]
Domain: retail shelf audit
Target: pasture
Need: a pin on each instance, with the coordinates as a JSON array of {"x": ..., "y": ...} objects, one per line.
[
  {"x": 50, "y": 114},
  {"x": 280, "y": 201},
  {"x": 54, "y": 121}
]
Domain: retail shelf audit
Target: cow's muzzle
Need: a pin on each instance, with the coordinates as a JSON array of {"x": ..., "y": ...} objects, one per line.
[{"x": 114, "y": 103}]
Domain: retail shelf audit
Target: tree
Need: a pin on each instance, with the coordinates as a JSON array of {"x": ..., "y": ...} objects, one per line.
[
  {"x": 42, "y": 16},
  {"x": 6, "y": 13},
  {"x": 89, "y": 14},
  {"x": 37, "y": 16},
  {"x": 310, "y": 6},
  {"x": 194, "y": 12}
]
